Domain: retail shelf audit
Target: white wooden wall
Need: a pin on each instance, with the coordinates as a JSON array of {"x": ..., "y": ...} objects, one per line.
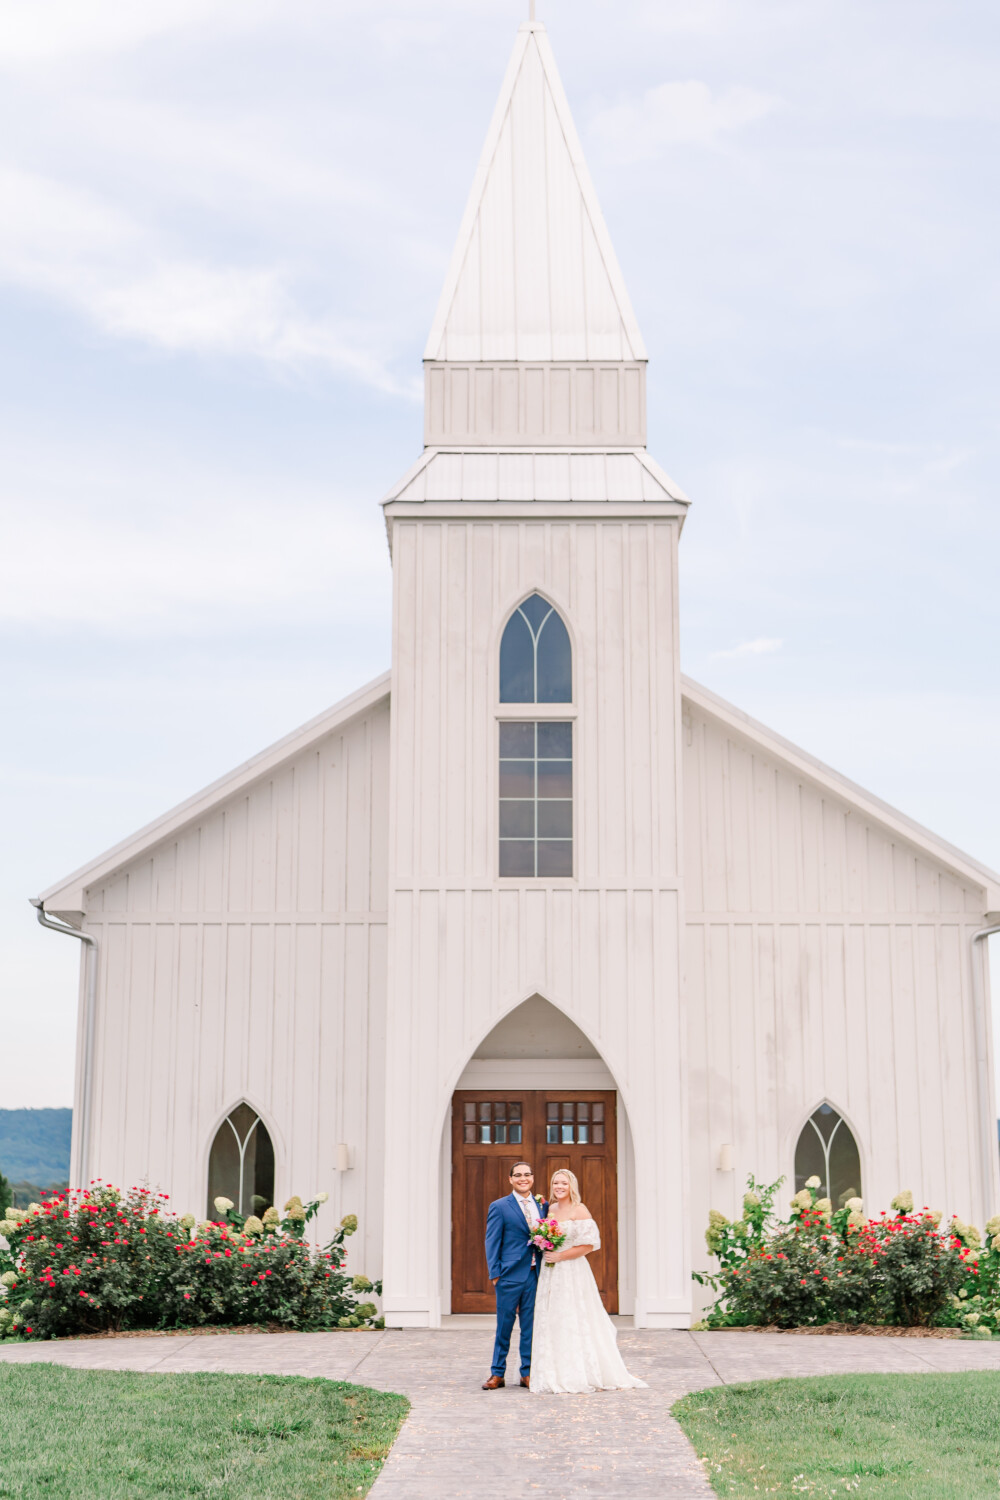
[
  {"x": 466, "y": 947},
  {"x": 826, "y": 959},
  {"x": 244, "y": 958}
]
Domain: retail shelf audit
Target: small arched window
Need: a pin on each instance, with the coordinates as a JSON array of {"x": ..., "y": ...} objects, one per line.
[
  {"x": 536, "y": 661},
  {"x": 826, "y": 1149},
  {"x": 241, "y": 1164}
]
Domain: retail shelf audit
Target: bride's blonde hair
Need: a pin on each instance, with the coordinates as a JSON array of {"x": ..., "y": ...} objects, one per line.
[{"x": 574, "y": 1186}]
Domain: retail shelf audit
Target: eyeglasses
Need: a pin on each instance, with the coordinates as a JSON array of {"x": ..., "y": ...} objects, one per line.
[{"x": 522, "y": 1174}]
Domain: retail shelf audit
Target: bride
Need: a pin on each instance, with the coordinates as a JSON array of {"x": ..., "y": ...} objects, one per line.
[{"x": 574, "y": 1346}]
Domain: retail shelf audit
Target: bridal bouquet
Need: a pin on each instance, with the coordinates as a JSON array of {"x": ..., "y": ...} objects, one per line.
[{"x": 548, "y": 1235}]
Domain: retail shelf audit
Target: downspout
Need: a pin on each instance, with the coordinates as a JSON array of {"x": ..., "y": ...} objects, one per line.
[
  {"x": 984, "y": 1025},
  {"x": 89, "y": 1010}
]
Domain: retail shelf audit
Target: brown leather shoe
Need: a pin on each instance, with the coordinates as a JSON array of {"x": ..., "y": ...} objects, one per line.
[
  {"x": 526, "y": 1382},
  {"x": 495, "y": 1383}
]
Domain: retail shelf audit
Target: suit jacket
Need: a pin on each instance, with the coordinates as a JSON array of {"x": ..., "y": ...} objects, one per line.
[{"x": 509, "y": 1251}]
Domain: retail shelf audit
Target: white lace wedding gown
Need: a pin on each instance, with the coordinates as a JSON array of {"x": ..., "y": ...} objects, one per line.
[{"x": 574, "y": 1345}]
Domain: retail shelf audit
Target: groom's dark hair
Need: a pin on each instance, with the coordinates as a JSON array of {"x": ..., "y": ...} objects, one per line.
[{"x": 522, "y": 1164}]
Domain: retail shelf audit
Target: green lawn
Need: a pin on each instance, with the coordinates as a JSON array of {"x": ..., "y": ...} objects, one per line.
[
  {"x": 101, "y": 1434},
  {"x": 922, "y": 1437}
]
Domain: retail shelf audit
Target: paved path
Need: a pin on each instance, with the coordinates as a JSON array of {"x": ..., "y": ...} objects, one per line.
[{"x": 460, "y": 1443}]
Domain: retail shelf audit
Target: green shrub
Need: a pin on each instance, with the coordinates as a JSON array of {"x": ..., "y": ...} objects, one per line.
[
  {"x": 821, "y": 1266},
  {"x": 975, "y": 1306},
  {"x": 916, "y": 1267},
  {"x": 104, "y": 1260},
  {"x": 6, "y": 1196}
]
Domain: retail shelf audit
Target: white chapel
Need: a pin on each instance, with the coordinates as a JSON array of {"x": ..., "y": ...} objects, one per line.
[{"x": 533, "y": 893}]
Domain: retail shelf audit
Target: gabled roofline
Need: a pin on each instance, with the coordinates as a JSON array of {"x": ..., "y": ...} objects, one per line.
[
  {"x": 822, "y": 775},
  {"x": 460, "y": 253},
  {"x": 67, "y": 895}
]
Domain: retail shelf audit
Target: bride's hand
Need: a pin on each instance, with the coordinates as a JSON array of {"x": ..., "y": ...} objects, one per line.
[{"x": 550, "y": 1257}]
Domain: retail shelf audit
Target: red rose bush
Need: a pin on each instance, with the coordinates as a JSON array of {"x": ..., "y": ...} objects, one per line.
[
  {"x": 824, "y": 1266},
  {"x": 103, "y": 1260}
]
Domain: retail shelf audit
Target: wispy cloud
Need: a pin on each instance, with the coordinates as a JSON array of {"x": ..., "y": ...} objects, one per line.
[
  {"x": 89, "y": 255},
  {"x": 762, "y": 646},
  {"x": 673, "y": 114},
  {"x": 54, "y": 29}
]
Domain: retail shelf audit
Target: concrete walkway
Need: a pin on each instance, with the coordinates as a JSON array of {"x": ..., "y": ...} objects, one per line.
[{"x": 460, "y": 1443}]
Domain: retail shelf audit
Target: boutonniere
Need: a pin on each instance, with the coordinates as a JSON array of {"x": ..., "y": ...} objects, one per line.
[{"x": 538, "y": 1198}]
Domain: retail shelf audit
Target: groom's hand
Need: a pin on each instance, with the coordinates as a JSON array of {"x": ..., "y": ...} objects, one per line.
[{"x": 494, "y": 1280}]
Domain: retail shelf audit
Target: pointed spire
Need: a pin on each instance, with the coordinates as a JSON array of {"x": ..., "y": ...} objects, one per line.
[{"x": 534, "y": 275}]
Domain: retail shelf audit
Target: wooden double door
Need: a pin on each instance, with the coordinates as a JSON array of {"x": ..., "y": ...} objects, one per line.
[{"x": 491, "y": 1129}]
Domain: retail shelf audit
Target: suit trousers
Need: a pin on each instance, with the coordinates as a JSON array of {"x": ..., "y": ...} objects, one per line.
[{"x": 515, "y": 1299}]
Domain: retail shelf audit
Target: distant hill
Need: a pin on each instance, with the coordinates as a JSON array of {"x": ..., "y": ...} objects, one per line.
[{"x": 34, "y": 1145}]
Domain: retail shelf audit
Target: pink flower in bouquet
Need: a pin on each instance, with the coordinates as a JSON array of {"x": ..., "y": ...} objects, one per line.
[{"x": 548, "y": 1235}]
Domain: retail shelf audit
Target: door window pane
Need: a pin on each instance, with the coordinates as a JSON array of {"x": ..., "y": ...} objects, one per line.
[
  {"x": 489, "y": 1122},
  {"x": 572, "y": 1122}
]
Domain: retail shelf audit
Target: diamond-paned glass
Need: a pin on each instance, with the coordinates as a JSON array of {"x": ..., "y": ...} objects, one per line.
[{"x": 536, "y": 798}]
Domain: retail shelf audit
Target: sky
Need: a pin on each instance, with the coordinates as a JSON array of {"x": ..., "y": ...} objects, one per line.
[{"x": 224, "y": 226}]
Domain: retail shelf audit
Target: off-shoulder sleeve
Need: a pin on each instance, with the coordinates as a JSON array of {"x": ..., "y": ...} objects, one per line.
[{"x": 588, "y": 1233}]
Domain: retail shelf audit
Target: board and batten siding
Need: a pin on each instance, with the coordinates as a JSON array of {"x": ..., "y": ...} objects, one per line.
[
  {"x": 466, "y": 947},
  {"x": 244, "y": 958},
  {"x": 826, "y": 959}
]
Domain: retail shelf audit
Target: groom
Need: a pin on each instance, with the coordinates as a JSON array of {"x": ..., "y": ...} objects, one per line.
[{"x": 513, "y": 1266}]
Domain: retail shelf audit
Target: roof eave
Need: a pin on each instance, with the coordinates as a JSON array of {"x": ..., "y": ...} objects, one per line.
[
  {"x": 882, "y": 813},
  {"x": 67, "y": 897}
]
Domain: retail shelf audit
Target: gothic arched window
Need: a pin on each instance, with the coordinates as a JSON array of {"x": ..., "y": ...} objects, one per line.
[
  {"x": 241, "y": 1164},
  {"x": 826, "y": 1149},
  {"x": 536, "y": 660}
]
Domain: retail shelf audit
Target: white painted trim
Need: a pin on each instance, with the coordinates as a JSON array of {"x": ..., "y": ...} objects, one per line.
[
  {"x": 536, "y": 1073},
  {"x": 832, "y": 781},
  {"x": 68, "y": 894},
  {"x": 536, "y": 510}
]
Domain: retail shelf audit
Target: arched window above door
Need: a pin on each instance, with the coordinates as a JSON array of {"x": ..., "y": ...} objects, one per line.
[
  {"x": 826, "y": 1149},
  {"x": 536, "y": 659},
  {"x": 241, "y": 1163}
]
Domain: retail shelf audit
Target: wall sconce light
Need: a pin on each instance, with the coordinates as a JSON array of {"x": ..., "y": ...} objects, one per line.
[
  {"x": 343, "y": 1158},
  {"x": 725, "y": 1158}
]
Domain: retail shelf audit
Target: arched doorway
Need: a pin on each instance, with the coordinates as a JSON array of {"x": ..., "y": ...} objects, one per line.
[{"x": 535, "y": 1089}]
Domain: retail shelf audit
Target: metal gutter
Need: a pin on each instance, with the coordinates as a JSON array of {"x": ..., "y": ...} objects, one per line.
[
  {"x": 89, "y": 1009},
  {"x": 984, "y": 1023}
]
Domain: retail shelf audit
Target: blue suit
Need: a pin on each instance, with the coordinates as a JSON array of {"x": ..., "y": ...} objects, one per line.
[{"x": 513, "y": 1264}]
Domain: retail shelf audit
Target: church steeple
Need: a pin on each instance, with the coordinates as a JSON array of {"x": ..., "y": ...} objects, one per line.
[{"x": 534, "y": 339}]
